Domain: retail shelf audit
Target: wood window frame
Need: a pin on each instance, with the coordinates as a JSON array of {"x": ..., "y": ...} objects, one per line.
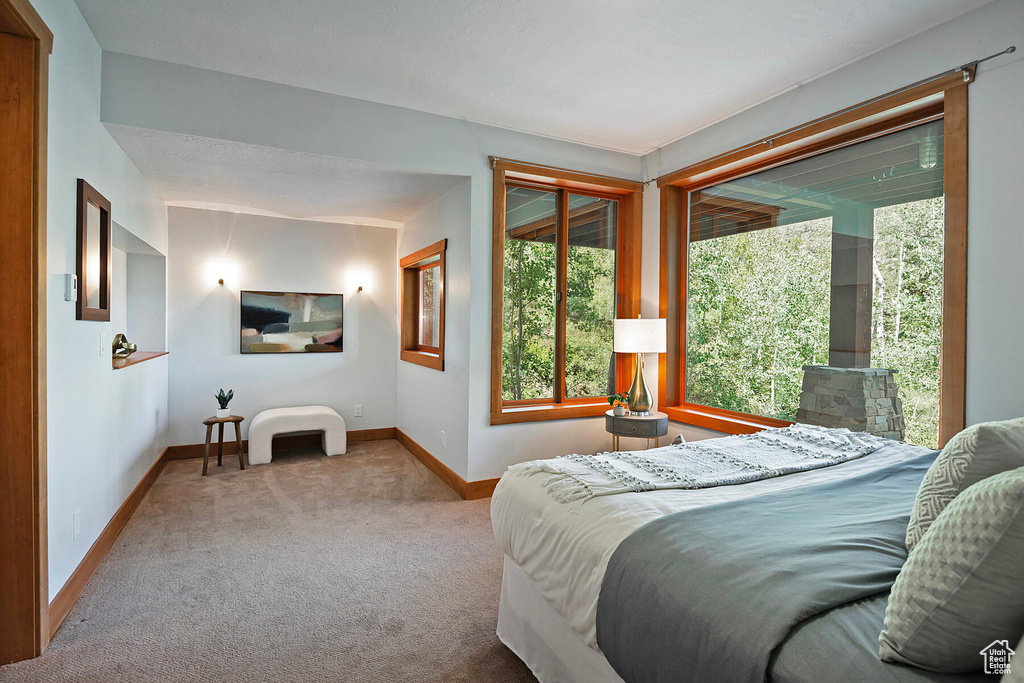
[
  {"x": 629, "y": 194},
  {"x": 24, "y": 599},
  {"x": 412, "y": 266},
  {"x": 943, "y": 98}
]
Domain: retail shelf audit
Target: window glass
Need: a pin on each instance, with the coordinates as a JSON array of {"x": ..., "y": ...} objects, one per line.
[
  {"x": 590, "y": 297},
  {"x": 430, "y": 306},
  {"x": 528, "y": 318},
  {"x": 832, "y": 260}
]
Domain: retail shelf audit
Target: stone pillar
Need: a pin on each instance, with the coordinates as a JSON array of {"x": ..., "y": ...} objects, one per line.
[
  {"x": 859, "y": 399},
  {"x": 853, "y": 241}
]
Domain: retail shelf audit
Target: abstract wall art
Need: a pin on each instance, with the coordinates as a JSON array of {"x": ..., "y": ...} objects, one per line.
[{"x": 289, "y": 322}]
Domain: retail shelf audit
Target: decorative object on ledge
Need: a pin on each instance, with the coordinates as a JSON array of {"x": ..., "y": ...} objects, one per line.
[
  {"x": 289, "y": 322},
  {"x": 639, "y": 336},
  {"x": 136, "y": 358},
  {"x": 223, "y": 399},
  {"x": 122, "y": 348},
  {"x": 93, "y": 254}
]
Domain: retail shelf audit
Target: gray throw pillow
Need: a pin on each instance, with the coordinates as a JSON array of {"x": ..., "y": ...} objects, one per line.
[
  {"x": 977, "y": 452},
  {"x": 1016, "y": 672},
  {"x": 962, "y": 587}
]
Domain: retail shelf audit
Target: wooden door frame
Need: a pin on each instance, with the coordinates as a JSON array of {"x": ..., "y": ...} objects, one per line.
[{"x": 24, "y": 611}]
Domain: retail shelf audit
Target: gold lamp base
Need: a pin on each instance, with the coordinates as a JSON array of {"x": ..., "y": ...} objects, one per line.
[{"x": 639, "y": 396}]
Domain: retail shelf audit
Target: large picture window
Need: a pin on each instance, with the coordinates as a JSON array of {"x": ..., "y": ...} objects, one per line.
[
  {"x": 835, "y": 258},
  {"x": 565, "y": 257}
]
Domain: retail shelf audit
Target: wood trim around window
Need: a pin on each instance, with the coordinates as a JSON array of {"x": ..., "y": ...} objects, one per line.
[
  {"x": 412, "y": 265},
  {"x": 629, "y": 194},
  {"x": 945, "y": 98}
]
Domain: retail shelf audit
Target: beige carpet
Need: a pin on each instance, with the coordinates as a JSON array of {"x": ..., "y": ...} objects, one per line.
[{"x": 361, "y": 567}]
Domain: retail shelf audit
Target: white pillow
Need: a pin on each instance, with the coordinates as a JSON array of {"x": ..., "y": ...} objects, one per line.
[
  {"x": 962, "y": 587},
  {"x": 975, "y": 453}
]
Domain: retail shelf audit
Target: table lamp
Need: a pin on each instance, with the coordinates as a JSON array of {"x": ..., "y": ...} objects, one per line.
[{"x": 639, "y": 336}]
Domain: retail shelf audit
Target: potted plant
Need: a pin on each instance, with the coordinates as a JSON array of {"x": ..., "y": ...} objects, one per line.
[
  {"x": 618, "y": 404},
  {"x": 223, "y": 399}
]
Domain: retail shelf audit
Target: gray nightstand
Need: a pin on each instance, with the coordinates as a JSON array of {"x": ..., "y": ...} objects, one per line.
[{"x": 647, "y": 427}]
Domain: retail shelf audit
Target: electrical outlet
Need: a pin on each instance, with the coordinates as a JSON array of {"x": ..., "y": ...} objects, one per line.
[
  {"x": 104, "y": 346},
  {"x": 359, "y": 410},
  {"x": 444, "y": 439},
  {"x": 77, "y": 519}
]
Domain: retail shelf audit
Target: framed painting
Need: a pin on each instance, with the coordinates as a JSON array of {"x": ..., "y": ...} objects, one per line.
[{"x": 291, "y": 322}]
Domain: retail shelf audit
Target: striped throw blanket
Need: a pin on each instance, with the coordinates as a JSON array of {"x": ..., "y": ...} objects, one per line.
[{"x": 701, "y": 464}]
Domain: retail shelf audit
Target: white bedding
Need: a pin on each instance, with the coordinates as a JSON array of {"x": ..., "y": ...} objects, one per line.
[{"x": 564, "y": 549}]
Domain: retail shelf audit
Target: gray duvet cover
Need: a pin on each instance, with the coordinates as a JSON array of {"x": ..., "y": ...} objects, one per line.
[
  {"x": 841, "y": 646},
  {"x": 710, "y": 594}
]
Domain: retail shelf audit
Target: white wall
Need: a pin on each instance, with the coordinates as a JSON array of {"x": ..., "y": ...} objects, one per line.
[
  {"x": 283, "y": 255},
  {"x": 146, "y": 303},
  {"x": 105, "y": 428},
  {"x": 995, "y": 244},
  {"x": 429, "y": 400}
]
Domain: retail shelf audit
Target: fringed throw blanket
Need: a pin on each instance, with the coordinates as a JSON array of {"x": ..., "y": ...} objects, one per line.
[{"x": 702, "y": 464}]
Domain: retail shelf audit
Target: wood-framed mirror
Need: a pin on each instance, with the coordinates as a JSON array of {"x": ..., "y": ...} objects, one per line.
[{"x": 93, "y": 254}]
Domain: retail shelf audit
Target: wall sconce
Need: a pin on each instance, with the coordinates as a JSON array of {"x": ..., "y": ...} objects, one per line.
[
  {"x": 357, "y": 278},
  {"x": 221, "y": 270}
]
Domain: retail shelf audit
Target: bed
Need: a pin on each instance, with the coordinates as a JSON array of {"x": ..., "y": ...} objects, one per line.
[{"x": 557, "y": 555}]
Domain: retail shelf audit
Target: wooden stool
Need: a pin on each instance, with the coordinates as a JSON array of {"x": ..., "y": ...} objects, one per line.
[{"x": 219, "y": 421}]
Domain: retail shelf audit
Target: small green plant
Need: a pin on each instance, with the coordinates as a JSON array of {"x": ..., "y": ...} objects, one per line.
[
  {"x": 617, "y": 398},
  {"x": 223, "y": 399}
]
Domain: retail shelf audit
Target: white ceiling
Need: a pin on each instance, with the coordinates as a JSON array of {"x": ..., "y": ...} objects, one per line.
[
  {"x": 630, "y": 75},
  {"x": 217, "y": 174}
]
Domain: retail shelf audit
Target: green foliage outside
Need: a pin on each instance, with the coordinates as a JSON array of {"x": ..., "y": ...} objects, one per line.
[
  {"x": 529, "y": 321},
  {"x": 759, "y": 310}
]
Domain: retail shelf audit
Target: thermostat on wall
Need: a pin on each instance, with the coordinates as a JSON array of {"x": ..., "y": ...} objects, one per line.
[{"x": 70, "y": 287}]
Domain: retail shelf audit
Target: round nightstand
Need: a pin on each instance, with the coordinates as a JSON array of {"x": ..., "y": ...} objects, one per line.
[{"x": 648, "y": 427}]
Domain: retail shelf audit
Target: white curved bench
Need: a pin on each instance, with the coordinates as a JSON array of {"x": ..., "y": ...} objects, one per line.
[{"x": 270, "y": 423}]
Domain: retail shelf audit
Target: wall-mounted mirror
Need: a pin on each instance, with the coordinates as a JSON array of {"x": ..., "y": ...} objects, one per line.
[{"x": 93, "y": 254}]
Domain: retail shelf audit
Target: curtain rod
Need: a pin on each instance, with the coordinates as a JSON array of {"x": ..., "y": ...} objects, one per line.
[{"x": 771, "y": 140}]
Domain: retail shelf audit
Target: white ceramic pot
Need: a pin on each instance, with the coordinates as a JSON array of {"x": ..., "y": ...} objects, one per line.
[
  {"x": 619, "y": 410},
  {"x": 223, "y": 412}
]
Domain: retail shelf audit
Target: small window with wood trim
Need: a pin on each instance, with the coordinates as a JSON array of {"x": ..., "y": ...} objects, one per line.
[
  {"x": 423, "y": 306},
  {"x": 565, "y": 266}
]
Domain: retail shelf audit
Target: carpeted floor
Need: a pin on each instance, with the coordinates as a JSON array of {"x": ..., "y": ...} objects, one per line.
[{"x": 361, "y": 567}]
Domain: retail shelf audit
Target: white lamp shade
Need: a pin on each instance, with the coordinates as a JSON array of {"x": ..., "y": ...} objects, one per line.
[{"x": 640, "y": 335}]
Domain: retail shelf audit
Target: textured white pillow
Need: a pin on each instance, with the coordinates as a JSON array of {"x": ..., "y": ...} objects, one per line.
[
  {"x": 962, "y": 587},
  {"x": 975, "y": 453}
]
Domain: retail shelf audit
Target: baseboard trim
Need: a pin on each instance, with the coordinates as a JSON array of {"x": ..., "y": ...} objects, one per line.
[
  {"x": 467, "y": 490},
  {"x": 287, "y": 442},
  {"x": 76, "y": 583}
]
